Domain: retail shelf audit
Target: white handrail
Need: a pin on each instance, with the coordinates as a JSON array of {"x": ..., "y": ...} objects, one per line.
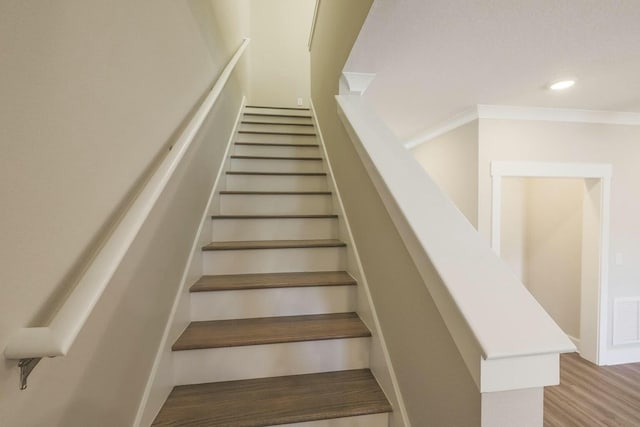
[
  {"x": 490, "y": 315},
  {"x": 314, "y": 20},
  {"x": 57, "y": 338}
]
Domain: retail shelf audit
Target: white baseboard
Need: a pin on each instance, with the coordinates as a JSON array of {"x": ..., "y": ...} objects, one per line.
[
  {"x": 384, "y": 371},
  {"x": 160, "y": 381},
  {"x": 620, "y": 356},
  {"x": 575, "y": 341}
]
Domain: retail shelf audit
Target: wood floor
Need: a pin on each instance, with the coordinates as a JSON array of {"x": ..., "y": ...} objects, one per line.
[{"x": 593, "y": 396}]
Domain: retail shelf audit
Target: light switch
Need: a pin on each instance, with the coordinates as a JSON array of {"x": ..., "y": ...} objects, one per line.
[{"x": 619, "y": 259}]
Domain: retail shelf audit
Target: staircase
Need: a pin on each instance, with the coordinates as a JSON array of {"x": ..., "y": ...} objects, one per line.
[{"x": 274, "y": 339}]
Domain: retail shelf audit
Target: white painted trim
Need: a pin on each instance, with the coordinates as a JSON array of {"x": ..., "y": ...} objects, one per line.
[
  {"x": 510, "y": 324},
  {"x": 363, "y": 285},
  {"x": 617, "y": 341},
  {"x": 312, "y": 32},
  {"x": 548, "y": 169},
  {"x": 509, "y": 112},
  {"x": 56, "y": 338},
  {"x": 496, "y": 197},
  {"x": 441, "y": 129},
  {"x": 355, "y": 83},
  {"x": 145, "y": 411},
  {"x": 538, "y": 370},
  {"x": 621, "y": 355},
  {"x": 605, "y": 236},
  {"x": 603, "y": 172},
  {"x": 575, "y": 341}
]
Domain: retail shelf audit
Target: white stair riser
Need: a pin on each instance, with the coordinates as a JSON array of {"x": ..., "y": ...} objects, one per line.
[
  {"x": 283, "y": 111},
  {"x": 276, "y": 119},
  {"x": 373, "y": 420},
  {"x": 240, "y": 204},
  {"x": 275, "y": 151},
  {"x": 274, "y": 229},
  {"x": 267, "y": 165},
  {"x": 285, "y": 139},
  {"x": 277, "y": 182},
  {"x": 277, "y": 128},
  {"x": 251, "y": 303},
  {"x": 270, "y": 360},
  {"x": 273, "y": 260}
]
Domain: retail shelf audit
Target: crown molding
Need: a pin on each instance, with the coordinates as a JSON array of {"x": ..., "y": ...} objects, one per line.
[
  {"x": 441, "y": 129},
  {"x": 355, "y": 83},
  {"x": 509, "y": 112}
]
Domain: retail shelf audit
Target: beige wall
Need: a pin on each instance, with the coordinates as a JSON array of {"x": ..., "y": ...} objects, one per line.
[
  {"x": 541, "y": 238},
  {"x": 617, "y": 145},
  {"x": 452, "y": 161},
  {"x": 91, "y": 93},
  {"x": 432, "y": 376},
  {"x": 513, "y": 226},
  {"x": 554, "y": 253},
  {"x": 279, "y": 55}
]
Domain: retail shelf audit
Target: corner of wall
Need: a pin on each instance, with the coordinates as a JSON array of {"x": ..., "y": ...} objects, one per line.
[
  {"x": 160, "y": 380},
  {"x": 380, "y": 361}
]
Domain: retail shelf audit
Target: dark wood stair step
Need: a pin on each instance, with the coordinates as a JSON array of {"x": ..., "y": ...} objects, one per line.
[
  {"x": 275, "y": 158},
  {"x": 278, "y": 193},
  {"x": 234, "y": 282},
  {"x": 276, "y": 144},
  {"x": 277, "y": 108},
  {"x": 264, "y": 132},
  {"x": 250, "y": 122},
  {"x": 270, "y": 330},
  {"x": 276, "y": 115},
  {"x": 302, "y": 216},
  {"x": 273, "y": 244},
  {"x": 274, "y": 401},
  {"x": 277, "y": 173}
]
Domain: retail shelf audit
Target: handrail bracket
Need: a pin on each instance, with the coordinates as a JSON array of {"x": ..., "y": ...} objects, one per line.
[{"x": 26, "y": 366}]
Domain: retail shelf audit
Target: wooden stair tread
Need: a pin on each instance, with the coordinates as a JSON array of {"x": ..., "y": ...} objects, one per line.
[
  {"x": 276, "y": 144},
  {"x": 264, "y": 132},
  {"x": 274, "y": 158},
  {"x": 277, "y": 108},
  {"x": 276, "y": 193},
  {"x": 232, "y": 282},
  {"x": 274, "y": 401},
  {"x": 273, "y": 244},
  {"x": 247, "y": 122},
  {"x": 276, "y": 115},
  {"x": 277, "y": 173},
  {"x": 301, "y": 216},
  {"x": 270, "y": 330}
]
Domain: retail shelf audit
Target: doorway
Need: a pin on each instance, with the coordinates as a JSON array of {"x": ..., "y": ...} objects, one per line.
[{"x": 550, "y": 222}]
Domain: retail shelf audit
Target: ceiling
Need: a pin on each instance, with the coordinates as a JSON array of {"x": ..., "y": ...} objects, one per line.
[{"x": 436, "y": 59}]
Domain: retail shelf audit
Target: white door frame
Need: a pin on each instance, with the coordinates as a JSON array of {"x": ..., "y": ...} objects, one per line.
[{"x": 602, "y": 172}]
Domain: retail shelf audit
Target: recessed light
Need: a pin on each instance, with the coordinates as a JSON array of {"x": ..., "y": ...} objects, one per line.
[{"x": 562, "y": 84}]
